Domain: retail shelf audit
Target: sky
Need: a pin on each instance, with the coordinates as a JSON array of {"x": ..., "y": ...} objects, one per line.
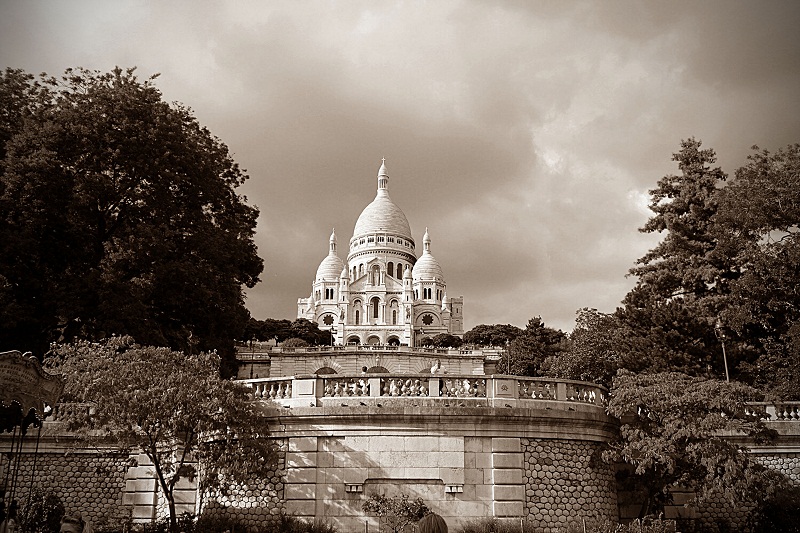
[{"x": 524, "y": 135}]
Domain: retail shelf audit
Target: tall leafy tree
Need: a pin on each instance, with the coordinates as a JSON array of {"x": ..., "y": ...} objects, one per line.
[
  {"x": 526, "y": 354},
  {"x": 172, "y": 407},
  {"x": 592, "y": 353},
  {"x": 118, "y": 214},
  {"x": 684, "y": 282},
  {"x": 760, "y": 211}
]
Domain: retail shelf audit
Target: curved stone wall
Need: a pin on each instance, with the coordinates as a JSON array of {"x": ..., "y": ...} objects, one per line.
[{"x": 565, "y": 481}]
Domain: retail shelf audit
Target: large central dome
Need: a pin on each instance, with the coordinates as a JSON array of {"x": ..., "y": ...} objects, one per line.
[{"x": 382, "y": 215}]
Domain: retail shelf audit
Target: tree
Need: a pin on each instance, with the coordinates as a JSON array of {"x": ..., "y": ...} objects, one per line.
[
  {"x": 446, "y": 340},
  {"x": 527, "y": 353},
  {"x": 119, "y": 214},
  {"x": 760, "y": 210},
  {"x": 592, "y": 353},
  {"x": 395, "y": 513},
  {"x": 684, "y": 282},
  {"x": 172, "y": 407},
  {"x": 309, "y": 331},
  {"x": 492, "y": 335},
  {"x": 676, "y": 432}
]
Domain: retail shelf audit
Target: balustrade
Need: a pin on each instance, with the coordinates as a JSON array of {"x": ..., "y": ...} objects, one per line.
[
  {"x": 438, "y": 385},
  {"x": 536, "y": 390},
  {"x": 340, "y": 387},
  {"x": 272, "y": 390},
  {"x": 399, "y": 386},
  {"x": 467, "y": 387}
]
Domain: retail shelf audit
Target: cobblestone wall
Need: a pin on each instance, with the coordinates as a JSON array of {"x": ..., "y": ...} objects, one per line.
[
  {"x": 86, "y": 483},
  {"x": 787, "y": 464},
  {"x": 255, "y": 504},
  {"x": 563, "y": 483}
]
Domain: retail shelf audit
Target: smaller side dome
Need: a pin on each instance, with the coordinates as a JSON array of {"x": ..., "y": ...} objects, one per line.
[
  {"x": 427, "y": 267},
  {"x": 332, "y": 266}
]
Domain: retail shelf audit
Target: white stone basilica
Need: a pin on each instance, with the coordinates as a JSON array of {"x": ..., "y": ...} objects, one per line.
[{"x": 383, "y": 293}]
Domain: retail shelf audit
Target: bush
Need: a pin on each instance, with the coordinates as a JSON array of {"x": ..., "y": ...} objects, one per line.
[
  {"x": 396, "y": 513},
  {"x": 41, "y": 512},
  {"x": 493, "y": 525},
  {"x": 292, "y": 524}
]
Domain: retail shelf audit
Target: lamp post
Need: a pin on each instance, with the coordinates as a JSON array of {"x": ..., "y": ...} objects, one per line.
[{"x": 720, "y": 333}]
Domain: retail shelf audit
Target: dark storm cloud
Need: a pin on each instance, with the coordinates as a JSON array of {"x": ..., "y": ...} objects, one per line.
[{"x": 524, "y": 135}]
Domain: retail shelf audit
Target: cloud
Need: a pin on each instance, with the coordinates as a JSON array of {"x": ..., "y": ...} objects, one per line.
[{"x": 524, "y": 135}]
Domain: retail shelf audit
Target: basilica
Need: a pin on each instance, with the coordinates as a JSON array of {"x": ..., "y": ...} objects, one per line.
[{"x": 382, "y": 293}]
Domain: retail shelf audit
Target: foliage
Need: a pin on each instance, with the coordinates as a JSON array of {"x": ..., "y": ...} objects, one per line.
[
  {"x": 294, "y": 342},
  {"x": 592, "y": 353},
  {"x": 673, "y": 432},
  {"x": 168, "y": 405},
  {"x": 395, "y": 513},
  {"x": 527, "y": 353},
  {"x": 779, "y": 513},
  {"x": 41, "y": 512},
  {"x": 492, "y": 335},
  {"x": 119, "y": 215},
  {"x": 493, "y": 525},
  {"x": 760, "y": 210},
  {"x": 292, "y": 524},
  {"x": 446, "y": 340},
  {"x": 648, "y": 524},
  {"x": 282, "y": 330},
  {"x": 668, "y": 317}
]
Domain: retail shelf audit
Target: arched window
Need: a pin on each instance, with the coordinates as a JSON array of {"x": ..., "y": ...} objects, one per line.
[
  {"x": 375, "y": 305},
  {"x": 399, "y": 270},
  {"x": 394, "y": 317},
  {"x": 358, "y": 317},
  {"x": 390, "y": 269}
]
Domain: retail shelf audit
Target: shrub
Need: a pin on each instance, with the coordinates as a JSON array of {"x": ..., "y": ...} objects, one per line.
[
  {"x": 292, "y": 524},
  {"x": 396, "y": 513},
  {"x": 41, "y": 512},
  {"x": 493, "y": 525}
]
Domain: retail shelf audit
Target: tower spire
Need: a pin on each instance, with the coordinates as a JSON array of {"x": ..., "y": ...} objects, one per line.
[{"x": 383, "y": 177}]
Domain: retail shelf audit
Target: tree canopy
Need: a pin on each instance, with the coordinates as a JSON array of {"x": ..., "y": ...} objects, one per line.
[
  {"x": 675, "y": 432},
  {"x": 172, "y": 407},
  {"x": 531, "y": 351},
  {"x": 282, "y": 330},
  {"x": 118, "y": 215},
  {"x": 492, "y": 335}
]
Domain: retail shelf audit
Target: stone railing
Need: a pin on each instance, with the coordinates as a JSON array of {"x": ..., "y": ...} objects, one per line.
[
  {"x": 259, "y": 351},
  {"x": 508, "y": 391},
  {"x": 777, "y": 411}
]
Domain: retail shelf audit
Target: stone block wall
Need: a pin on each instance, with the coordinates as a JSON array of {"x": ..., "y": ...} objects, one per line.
[{"x": 565, "y": 482}]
